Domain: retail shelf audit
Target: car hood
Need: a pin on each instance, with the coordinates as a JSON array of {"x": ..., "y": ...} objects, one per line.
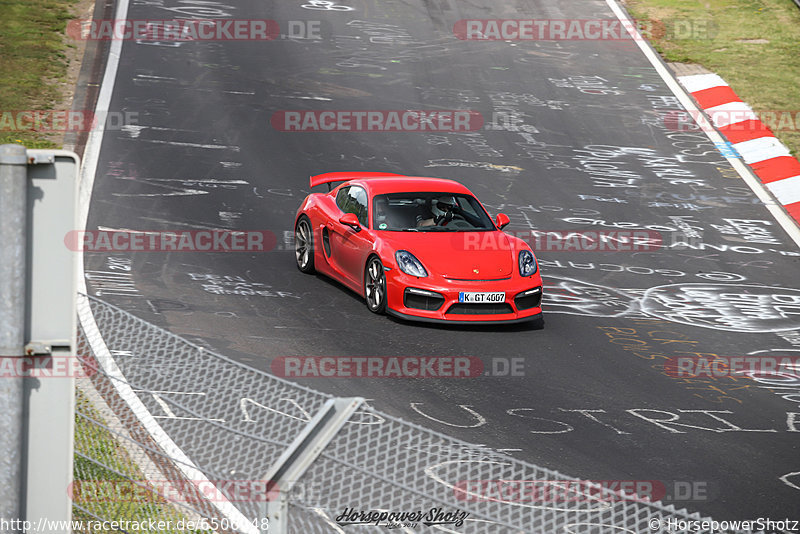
[{"x": 459, "y": 255}]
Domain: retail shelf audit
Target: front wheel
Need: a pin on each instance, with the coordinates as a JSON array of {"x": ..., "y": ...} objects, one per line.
[
  {"x": 304, "y": 245},
  {"x": 375, "y": 285}
]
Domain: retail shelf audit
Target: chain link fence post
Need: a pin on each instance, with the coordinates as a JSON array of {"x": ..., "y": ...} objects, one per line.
[
  {"x": 297, "y": 458},
  {"x": 13, "y": 234}
]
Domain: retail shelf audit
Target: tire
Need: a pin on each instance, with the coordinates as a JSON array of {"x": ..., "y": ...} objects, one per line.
[
  {"x": 304, "y": 245},
  {"x": 538, "y": 323},
  {"x": 375, "y": 285}
]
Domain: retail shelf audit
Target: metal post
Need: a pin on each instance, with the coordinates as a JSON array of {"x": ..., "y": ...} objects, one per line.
[
  {"x": 298, "y": 457},
  {"x": 50, "y": 335},
  {"x": 13, "y": 232}
]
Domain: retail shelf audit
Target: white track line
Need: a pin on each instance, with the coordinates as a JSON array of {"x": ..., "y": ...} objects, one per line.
[
  {"x": 95, "y": 339},
  {"x": 786, "y": 222}
]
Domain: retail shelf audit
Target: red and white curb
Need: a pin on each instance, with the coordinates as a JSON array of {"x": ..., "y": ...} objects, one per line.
[{"x": 751, "y": 138}]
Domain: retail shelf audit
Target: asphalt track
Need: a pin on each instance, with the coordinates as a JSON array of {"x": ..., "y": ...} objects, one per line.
[{"x": 204, "y": 155}]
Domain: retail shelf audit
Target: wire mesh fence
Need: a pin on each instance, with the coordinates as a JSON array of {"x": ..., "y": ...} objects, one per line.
[
  {"x": 167, "y": 429},
  {"x": 111, "y": 471}
]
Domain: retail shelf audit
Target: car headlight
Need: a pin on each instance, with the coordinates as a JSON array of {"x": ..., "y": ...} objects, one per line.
[
  {"x": 409, "y": 264},
  {"x": 527, "y": 263}
]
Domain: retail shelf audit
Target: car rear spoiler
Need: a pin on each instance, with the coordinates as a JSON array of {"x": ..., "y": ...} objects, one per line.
[{"x": 330, "y": 177}]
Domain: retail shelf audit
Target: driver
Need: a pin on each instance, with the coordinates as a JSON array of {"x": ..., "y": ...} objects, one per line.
[
  {"x": 445, "y": 208},
  {"x": 437, "y": 212}
]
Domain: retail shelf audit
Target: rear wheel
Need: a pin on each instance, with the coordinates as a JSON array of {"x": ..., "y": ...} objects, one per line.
[
  {"x": 304, "y": 245},
  {"x": 375, "y": 285}
]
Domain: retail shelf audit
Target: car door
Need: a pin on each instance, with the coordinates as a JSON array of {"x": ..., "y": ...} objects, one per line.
[{"x": 349, "y": 248}]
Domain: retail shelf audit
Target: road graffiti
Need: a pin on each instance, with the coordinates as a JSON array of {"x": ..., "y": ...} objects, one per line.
[
  {"x": 116, "y": 281},
  {"x": 605, "y": 165},
  {"x": 573, "y": 297},
  {"x": 590, "y": 85},
  {"x": 735, "y": 308},
  {"x": 785, "y": 380},
  {"x": 236, "y": 285},
  {"x": 482, "y": 165},
  {"x": 191, "y": 9},
  {"x": 326, "y": 5},
  {"x": 717, "y": 276},
  {"x": 627, "y": 421},
  {"x": 751, "y": 230}
]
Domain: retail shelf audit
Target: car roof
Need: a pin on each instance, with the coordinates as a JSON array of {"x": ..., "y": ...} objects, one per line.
[{"x": 409, "y": 184}]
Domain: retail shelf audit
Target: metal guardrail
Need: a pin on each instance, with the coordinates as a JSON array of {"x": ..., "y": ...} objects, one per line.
[{"x": 223, "y": 421}]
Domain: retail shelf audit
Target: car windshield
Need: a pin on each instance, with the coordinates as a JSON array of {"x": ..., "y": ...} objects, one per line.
[{"x": 429, "y": 212}]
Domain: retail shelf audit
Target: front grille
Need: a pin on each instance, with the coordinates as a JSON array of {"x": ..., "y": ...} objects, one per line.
[
  {"x": 484, "y": 308},
  {"x": 422, "y": 302},
  {"x": 525, "y": 302}
]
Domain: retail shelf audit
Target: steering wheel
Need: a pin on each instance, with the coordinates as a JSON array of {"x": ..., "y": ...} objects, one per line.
[
  {"x": 444, "y": 218},
  {"x": 449, "y": 212}
]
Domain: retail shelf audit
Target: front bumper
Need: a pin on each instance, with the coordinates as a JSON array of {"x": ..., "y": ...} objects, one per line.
[
  {"x": 436, "y": 299},
  {"x": 408, "y": 317}
]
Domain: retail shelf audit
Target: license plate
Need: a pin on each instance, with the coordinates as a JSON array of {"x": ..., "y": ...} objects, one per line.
[{"x": 470, "y": 297}]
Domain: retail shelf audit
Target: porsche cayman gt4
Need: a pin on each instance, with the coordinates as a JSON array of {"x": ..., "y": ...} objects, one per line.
[{"x": 417, "y": 248}]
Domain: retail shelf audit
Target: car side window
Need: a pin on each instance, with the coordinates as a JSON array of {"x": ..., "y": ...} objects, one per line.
[
  {"x": 341, "y": 198},
  {"x": 353, "y": 199}
]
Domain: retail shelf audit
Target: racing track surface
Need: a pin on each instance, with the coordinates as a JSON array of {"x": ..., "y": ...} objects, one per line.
[{"x": 205, "y": 156}]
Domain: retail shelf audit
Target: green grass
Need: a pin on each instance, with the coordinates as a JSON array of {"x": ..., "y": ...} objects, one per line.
[
  {"x": 32, "y": 60},
  {"x": 765, "y": 75},
  {"x": 107, "y": 476}
]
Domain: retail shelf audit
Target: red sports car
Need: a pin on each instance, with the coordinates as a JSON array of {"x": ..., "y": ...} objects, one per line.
[{"x": 417, "y": 248}]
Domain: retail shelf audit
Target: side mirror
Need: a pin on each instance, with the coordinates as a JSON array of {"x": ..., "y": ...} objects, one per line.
[
  {"x": 350, "y": 220},
  {"x": 502, "y": 220}
]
